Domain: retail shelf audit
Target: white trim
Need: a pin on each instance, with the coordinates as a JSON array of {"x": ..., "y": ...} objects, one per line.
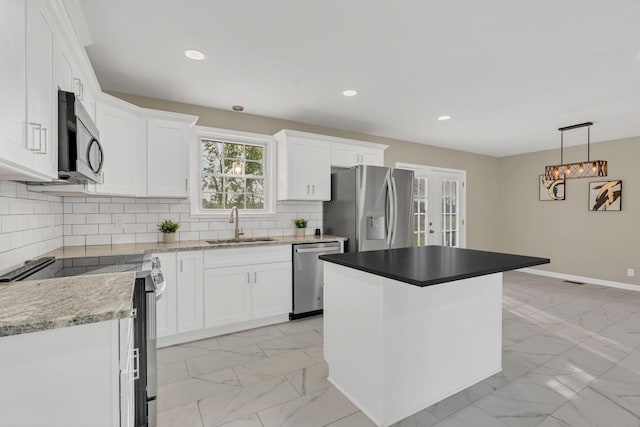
[
  {"x": 588, "y": 280},
  {"x": 333, "y": 139},
  {"x": 232, "y": 136},
  {"x": 220, "y": 330}
]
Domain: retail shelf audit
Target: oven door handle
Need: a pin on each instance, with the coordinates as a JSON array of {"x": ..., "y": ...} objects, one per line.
[{"x": 151, "y": 316}]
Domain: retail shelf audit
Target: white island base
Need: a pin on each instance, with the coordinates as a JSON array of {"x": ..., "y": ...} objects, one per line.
[{"x": 394, "y": 349}]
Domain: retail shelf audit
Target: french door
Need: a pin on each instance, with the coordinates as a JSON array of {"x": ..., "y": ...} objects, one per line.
[{"x": 439, "y": 206}]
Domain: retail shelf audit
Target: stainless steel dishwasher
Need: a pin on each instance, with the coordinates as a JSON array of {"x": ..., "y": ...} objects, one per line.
[{"x": 308, "y": 277}]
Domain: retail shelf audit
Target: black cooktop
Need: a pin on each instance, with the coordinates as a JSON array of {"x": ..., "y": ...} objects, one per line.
[{"x": 49, "y": 267}]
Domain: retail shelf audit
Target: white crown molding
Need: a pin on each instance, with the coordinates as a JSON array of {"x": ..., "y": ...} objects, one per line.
[
  {"x": 332, "y": 139},
  {"x": 583, "y": 279}
]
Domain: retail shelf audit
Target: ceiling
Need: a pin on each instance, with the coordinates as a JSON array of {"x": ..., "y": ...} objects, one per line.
[{"x": 508, "y": 72}]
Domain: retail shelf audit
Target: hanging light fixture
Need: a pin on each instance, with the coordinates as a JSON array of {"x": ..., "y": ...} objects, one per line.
[
  {"x": 237, "y": 165},
  {"x": 584, "y": 169}
]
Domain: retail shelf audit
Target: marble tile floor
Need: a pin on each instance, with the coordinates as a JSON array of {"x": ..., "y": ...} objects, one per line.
[{"x": 571, "y": 357}]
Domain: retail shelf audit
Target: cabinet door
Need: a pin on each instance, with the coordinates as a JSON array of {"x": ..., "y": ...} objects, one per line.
[
  {"x": 166, "y": 306},
  {"x": 319, "y": 167},
  {"x": 167, "y": 164},
  {"x": 298, "y": 170},
  {"x": 190, "y": 291},
  {"x": 344, "y": 156},
  {"x": 271, "y": 289},
  {"x": 127, "y": 382},
  {"x": 372, "y": 157},
  {"x": 41, "y": 137},
  {"x": 64, "y": 70},
  {"x": 12, "y": 84},
  {"x": 119, "y": 134},
  {"x": 227, "y": 295}
]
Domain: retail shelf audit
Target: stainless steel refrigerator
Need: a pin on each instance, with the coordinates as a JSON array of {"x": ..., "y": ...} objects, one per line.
[{"x": 372, "y": 206}]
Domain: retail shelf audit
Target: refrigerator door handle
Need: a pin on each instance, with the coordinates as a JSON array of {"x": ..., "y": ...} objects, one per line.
[
  {"x": 394, "y": 208},
  {"x": 390, "y": 202}
]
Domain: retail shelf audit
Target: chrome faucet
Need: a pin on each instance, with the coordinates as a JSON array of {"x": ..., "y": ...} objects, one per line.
[{"x": 239, "y": 231}]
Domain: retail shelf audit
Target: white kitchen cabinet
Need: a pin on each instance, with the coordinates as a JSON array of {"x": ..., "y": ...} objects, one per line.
[
  {"x": 70, "y": 78},
  {"x": 167, "y": 158},
  {"x": 166, "y": 305},
  {"x": 346, "y": 155},
  {"x": 127, "y": 374},
  {"x": 304, "y": 166},
  {"x": 122, "y": 135},
  {"x": 42, "y": 100},
  {"x": 73, "y": 373},
  {"x": 271, "y": 289},
  {"x": 189, "y": 291},
  {"x": 14, "y": 154},
  {"x": 227, "y": 296}
]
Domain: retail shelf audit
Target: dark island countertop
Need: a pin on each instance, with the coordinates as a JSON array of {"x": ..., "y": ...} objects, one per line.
[{"x": 431, "y": 265}]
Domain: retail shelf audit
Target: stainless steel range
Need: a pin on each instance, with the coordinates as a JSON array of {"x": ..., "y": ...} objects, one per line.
[{"x": 149, "y": 286}]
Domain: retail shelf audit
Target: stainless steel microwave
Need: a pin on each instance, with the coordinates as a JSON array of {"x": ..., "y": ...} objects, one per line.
[{"x": 80, "y": 155}]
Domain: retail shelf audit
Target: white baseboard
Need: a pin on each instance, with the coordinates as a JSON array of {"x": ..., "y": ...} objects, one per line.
[
  {"x": 588, "y": 280},
  {"x": 201, "y": 334}
]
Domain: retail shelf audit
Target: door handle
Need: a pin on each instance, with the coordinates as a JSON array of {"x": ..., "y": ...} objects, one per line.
[
  {"x": 313, "y": 189},
  {"x": 431, "y": 231},
  {"x": 328, "y": 249},
  {"x": 390, "y": 205},
  {"x": 307, "y": 188},
  {"x": 395, "y": 210}
]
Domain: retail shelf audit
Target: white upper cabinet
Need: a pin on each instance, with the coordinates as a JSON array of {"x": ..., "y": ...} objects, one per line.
[
  {"x": 42, "y": 100},
  {"x": 122, "y": 135},
  {"x": 304, "y": 166},
  {"x": 345, "y": 154},
  {"x": 14, "y": 154},
  {"x": 167, "y": 157}
]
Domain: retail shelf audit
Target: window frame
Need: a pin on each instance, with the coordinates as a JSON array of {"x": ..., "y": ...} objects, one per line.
[{"x": 234, "y": 137}]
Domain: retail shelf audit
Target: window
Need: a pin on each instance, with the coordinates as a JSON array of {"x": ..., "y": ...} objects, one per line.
[
  {"x": 233, "y": 171},
  {"x": 420, "y": 211}
]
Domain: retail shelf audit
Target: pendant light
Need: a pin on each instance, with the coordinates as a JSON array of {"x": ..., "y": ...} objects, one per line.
[
  {"x": 583, "y": 169},
  {"x": 237, "y": 166}
]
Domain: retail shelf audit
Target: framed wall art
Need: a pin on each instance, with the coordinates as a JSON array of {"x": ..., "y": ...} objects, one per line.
[
  {"x": 551, "y": 189},
  {"x": 605, "y": 195}
]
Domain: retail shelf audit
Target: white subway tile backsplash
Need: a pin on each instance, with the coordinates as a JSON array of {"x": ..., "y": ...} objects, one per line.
[
  {"x": 119, "y": 239},
  {"x": 74, "y": 240},
  {"x": 98, "y": 239},
  {"x": 77, "y": 230},
  {"x": 135, "y": 208},
  {"x": 76, "y": 219},
  {"x": 85, "y": 208},
  {"x": 139, "y": 219},
  {"x": 117, "y": 208}
]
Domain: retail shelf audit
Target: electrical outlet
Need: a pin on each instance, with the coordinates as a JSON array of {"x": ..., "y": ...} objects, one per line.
[{"x": 631, "y": 272}]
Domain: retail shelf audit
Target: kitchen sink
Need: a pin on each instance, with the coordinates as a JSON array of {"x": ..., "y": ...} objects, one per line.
[{"x": 241, "y": 240}]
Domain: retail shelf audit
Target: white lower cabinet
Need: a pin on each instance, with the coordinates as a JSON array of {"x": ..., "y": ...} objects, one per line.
[
  {"x": 180, "y": 308},
  {"x": 189, "y": 291},
  {"x": 271, "y": 289},
  {"x": 236, "y": 294},
  {"x": 214, "y": 291},
  {"x": 75, "y": 375},
  {"x": 166, "y": 305},
  {"x": 227, "y": 295}
]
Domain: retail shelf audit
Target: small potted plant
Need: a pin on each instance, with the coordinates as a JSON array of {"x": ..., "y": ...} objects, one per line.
[
  {"x": 301, "y": 224},
  {"x": 168, "y": 229}
]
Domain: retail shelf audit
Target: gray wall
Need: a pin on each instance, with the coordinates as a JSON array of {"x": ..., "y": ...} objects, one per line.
[
  {"x": 482, "y": 171},
  {"x": 592, "y": 244}
]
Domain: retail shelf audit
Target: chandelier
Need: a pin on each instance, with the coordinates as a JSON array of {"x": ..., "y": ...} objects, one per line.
[{"x": 583, "y": 169}]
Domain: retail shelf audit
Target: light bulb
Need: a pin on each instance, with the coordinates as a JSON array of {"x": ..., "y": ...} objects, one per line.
[
  {"x": 581, "y": 169},
  {"x": 594, "y": 168}
]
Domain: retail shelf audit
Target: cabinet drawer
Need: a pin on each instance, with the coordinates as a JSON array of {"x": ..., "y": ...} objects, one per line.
[{"x": 228, "y": 257}]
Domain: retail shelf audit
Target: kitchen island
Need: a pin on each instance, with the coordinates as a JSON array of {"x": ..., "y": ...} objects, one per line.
[{"x": 406, "y": 328}]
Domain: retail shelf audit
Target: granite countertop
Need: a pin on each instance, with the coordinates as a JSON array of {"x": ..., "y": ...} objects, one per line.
[
  {"x": 38, "y": 305},
  {"x": 431, "y": 265},
  {"x": 155, "y": 247}
]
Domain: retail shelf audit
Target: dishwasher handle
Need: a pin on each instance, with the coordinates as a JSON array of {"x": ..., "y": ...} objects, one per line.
[{"x": 330, "y": 249}]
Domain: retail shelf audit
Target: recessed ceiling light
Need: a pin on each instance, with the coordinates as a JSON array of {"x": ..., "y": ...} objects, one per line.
[
  {"x": 350, "y": 92},
  {"x": 443, "y": 118},
  {"x": 194, "y": 54}
]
